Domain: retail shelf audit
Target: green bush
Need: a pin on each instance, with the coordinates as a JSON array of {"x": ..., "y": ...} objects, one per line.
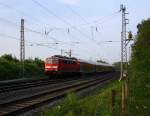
[
  {"x": 139, "y": 103},
  {"x": 10, "y": 67}
]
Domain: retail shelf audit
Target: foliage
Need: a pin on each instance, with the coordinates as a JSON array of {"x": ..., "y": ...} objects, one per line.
[
  {"x": 96, "y": 105},
  {"x": 9, "y": 57},
  {"x": 117, "y": 65},
  {"x": 101, "y": 61},
  {"x": 10, "y": 67},
  {"x": 139, "y": 103}
]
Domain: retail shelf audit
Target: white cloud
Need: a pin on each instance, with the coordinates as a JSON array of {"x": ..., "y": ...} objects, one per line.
[{"x": 71, "y": 2}]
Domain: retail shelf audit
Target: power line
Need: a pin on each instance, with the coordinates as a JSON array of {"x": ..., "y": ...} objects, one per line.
[
  {"x": 86, "y": 22},
  {"x": 33, "y": 43},
  {"x": 109, "y": 41},
  {"x": 29, "y": 16},
  {"x": 100, "y": 21},
  {"x": 56, "y": 28},
  {"x": 83, "y": 19},
  {"x": 76, "y": 13},
  {"x": 18, "y": 11},
  {"x": 50, "y": 12},
  {"x": 66, "y": 22},
  {"x": 38, "y": 32},
  {"x": 59, "y": 18},
  {"x": 28, "y": 29},
  {"x": 53, "y": 27}
]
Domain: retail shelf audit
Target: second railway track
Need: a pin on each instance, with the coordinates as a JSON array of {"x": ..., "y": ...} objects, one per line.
[{"x": 24, "y": 85}]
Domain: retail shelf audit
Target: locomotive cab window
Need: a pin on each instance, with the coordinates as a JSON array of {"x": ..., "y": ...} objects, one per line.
[
  {"x": 49, "y": 61},
  {"x": 52, "y": 61}
]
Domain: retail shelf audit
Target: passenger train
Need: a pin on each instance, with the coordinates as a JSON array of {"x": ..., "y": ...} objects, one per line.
[{"x": 62, "y": 65}]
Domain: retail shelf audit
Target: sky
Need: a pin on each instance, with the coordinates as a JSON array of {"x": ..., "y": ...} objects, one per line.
[{"x": 84, "y": 26}]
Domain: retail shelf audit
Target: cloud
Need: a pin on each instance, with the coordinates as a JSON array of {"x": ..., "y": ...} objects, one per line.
[{"x": 71, "y": 2}]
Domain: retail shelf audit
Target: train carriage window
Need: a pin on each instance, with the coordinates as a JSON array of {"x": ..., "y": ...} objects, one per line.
[
  {"x": 65, "y": 61},
  {"x": 69, "y": 62},
  {"x": 74, "y": 62}
]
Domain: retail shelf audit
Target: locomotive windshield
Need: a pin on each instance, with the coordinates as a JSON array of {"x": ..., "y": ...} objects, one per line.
[{"x": 52, "y": 60}]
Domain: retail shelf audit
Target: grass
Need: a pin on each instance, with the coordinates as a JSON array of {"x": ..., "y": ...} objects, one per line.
[
  {"x": 139, "y": 94},
  {"x": 96, "y": 105}
]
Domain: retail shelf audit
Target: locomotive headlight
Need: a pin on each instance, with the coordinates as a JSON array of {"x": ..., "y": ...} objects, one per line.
[
  {"x": 54, "y": 67},
  {"x": 47, "y": 66},
  {"x": 51, "y": 67}
]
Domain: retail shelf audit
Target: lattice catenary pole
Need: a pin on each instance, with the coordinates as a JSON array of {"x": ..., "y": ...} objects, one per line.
[{"x": 22, "y": 49}]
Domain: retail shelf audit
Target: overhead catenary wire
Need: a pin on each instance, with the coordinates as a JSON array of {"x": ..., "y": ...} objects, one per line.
[
  {"x": 99, "y": 21},
  {"x": 28, "y": 29},
  {"x": 33, "y": 43},
  {"x": 59, "y": 18},
  {"x": 37, "y": 32},
  {"x": 39, "y": 22},
  {"x": 83, "y": 19},
  {"x": 36, "y": 44},
  {"x": 70, "y": 26},
  {"x": 35, "y": 20},
  {"x": 76, "y": 13},
  {"x": 88, "y": 23},
  {"x": 64, "y": 21}
]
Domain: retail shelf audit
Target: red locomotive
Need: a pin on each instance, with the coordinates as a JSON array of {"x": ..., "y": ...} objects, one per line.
[
  {"x": 57, "y": 65},
  {"x": 61, "y": 65}
]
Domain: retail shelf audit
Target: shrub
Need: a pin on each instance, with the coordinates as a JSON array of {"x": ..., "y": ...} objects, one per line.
[{"x": 10, "y": 67}]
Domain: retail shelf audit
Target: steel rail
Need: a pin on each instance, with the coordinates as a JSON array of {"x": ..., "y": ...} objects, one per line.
[
  {"x": 19, "y": 86},
  {"x": 21, "y": 105}
]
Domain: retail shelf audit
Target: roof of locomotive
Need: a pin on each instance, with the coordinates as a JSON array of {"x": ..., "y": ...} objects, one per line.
[
  {"x": 63, "y": 57},
  {"x": 94, "y": 63},
  {"x": 80, "y": 60}
]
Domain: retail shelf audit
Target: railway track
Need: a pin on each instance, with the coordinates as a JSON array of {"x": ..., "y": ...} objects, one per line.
[
  {"x": 24, "y": 91},
  {"x": 9, "y": 87},
  {"x": 24, "y": 84},
  {"x": 21, "y": 105}
]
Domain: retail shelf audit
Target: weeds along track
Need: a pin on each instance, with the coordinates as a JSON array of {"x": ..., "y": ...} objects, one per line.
[{"x": 23, "y": 104}]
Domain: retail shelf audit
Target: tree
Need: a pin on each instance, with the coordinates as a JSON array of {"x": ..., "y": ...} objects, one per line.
[
  {"x": 9, "y": 57},
  {"x": 140, "y": 72},
  {"x": 10, "y": 67},
  {"x": 101, "y": 61},
  {"x": 117, "y": 65}
]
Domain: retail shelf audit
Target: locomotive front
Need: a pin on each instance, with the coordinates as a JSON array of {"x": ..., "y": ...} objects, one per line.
[{"x": 51, "y": 66}]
